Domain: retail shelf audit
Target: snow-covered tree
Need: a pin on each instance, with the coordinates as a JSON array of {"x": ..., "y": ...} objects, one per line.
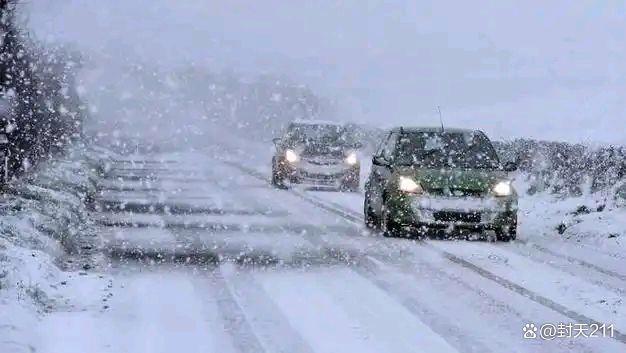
[{"x": 46, "y": 113}]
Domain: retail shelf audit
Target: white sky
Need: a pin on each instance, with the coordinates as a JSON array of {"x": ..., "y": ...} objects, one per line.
[{"x": 550, "y": 69}]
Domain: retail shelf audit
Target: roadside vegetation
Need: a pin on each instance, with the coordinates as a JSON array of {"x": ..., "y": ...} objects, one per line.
[{"x": 42, "y": 111}]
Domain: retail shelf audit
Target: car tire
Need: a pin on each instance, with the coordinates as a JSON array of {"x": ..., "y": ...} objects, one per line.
[
  {"x": 352, "y": 183},
  {"x": 350, "y": 187},
  {"x": 507, "y": 233},
  {"x": 371, "y": 221},
  {"x": 277, "y": 181},
  {"x": 388, "y": 227}
]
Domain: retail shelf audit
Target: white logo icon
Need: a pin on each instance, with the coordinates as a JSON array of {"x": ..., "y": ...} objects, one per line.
[{"x": 530, "y": 331}]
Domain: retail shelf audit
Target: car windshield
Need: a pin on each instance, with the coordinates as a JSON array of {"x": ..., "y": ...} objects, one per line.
[
  {"x": 334, "y": 135},
  {"x": 446, "y": 150}
]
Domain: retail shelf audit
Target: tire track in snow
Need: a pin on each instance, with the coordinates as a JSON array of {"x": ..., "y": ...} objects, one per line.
[
  {"x": 249, "y": 316},
  {"x": 537, "y": 298},
  {"x": 450, "y": 332},
  {"x": 265, "y": 318},
  {"x": 600, "y": 279},
  {"x": 575, "y": 260},
  {"x": 234, "y": 319},
  {"x": 492, "y": 304}
]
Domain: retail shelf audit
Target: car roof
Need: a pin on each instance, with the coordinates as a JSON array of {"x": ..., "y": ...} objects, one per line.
[
  {"x": 316, "y": 122},
  {"x": 434, "y": 129},
  {"x": 5, "y": 107}
]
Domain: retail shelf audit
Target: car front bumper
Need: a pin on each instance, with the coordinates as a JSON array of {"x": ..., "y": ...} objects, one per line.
[
  {"x": 450, "y": 213},
  {"x": 330, "y": 174}
]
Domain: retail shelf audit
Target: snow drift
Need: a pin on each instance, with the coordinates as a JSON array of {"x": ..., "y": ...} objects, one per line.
[{"x": 44, "y": 227}]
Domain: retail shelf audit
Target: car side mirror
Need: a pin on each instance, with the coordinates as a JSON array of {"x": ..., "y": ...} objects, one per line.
[
  {"x": 510, "y": 166},
  {"x": 380, "y": 161}
]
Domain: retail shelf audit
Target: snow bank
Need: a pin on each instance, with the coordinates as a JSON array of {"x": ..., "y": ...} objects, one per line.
[
  {"x": 43, "y": 224},
  {"x": 594, "y": 219}
]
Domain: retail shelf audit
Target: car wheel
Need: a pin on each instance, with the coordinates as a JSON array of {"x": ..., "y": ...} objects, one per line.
[
  {"x": 277, "y": 180},
  {"x": 351, "y": 183},
  {"x": 355, "y": 185},
  {"x": 350, "y": 187},
  {"x": 387, "y": 225},
  {"x": 507, "y": 233},
  {"x": 371, "y": 221}
]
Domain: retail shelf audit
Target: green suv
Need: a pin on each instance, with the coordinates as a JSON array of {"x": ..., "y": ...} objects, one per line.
[{"x": 445, "y": 180}]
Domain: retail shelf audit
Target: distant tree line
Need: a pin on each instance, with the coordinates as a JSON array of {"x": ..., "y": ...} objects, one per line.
[
  {"x": 37, "y": 83},
  {"x": 565, "y": 168}
]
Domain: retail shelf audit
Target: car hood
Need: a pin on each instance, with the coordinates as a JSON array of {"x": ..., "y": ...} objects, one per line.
[
  {"x": 320, "y": 149},
  {"x": 458, "y": 182}
]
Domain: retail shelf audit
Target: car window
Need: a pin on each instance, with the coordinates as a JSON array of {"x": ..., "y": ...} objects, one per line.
[
  {"x": 335, "y": 135},
  {"x": 390, "y": 146},
  {"x": 447, "y": 150},
  {"x": 381, "y": 145}
]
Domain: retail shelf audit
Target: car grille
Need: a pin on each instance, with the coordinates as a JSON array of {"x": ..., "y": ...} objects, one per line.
[
  {"x": 457, "y": 192},
  {"x": 323, "y": 161},
  {"x": 452, "y": 216},
  {"x": 319, "y": 176}
]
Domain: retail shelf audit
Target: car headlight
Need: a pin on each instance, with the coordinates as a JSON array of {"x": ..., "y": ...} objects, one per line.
[
  {"x": 291, "y": 156},
  {"x": 503, "y": 188},
  {"x": 409, "y": 185},
  {"x": 352, "y": 159}
]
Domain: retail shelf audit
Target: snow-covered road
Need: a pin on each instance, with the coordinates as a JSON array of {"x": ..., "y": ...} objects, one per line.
[{"x": 204, "y": 256}]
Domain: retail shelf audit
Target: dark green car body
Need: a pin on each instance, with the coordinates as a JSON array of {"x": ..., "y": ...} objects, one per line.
[{"x": 456, "y": 178}]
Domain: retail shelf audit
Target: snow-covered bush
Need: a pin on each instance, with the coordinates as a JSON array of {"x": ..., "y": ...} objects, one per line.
[
  {"x": 49, "y": 206},
  {"x": 568, "y": 169},
  {"x": 44, "y": 224}
]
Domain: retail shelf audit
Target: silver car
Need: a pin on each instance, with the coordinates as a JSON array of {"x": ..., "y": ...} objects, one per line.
[{"x": 317, "y": 153}]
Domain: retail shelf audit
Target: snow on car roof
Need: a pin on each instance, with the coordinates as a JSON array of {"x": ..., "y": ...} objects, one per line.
[
  {"x": 317, "y": 122},
  {"x": 435, "y": 129},
  {"x": 5, "y": 106}
]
